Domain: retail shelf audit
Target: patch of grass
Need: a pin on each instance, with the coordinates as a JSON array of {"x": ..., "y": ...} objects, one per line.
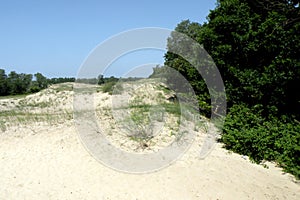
[
  {"x": 163, "y": 88},
  {"x": 172, "y": 108},
  {"x": 63, "y": 87},
  {"x": 39, "y": 104},
  {"x": 25, "y": 103},
  {"x": 108, "y": 87},
  {"x": 18, "y": 96},
  {"x": 18, "y": 117},
  {"x": 138, "y": 124},
  {"x": 85, "y": 89},
  {"x": 118, "y": 88},
  {"x": 142, "y": 119}
]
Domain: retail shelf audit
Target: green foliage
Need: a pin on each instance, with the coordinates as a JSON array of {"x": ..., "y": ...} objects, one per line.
[
  {"x": 41, "y": 81},
  {"x": 108, "y": 87},
  {"x": 22, "y": 117},
  {"x": 110, "y": 84},
  {"x": 256, "y": 53},
  {"x": 141, "y": 122},
  {"x": 256, "y": 47},
  {"x": 92, "y": 81},
  {"x": 16, "y": 84},
  {"x": 100, "y": 79},
  {"x": 247, "y": 132},
  {"x": 3, "y": 83},
  {"x": 34, "y": 88},
  {"x": 61, "y": 80},
  {"x": 63, "y": 87},
  {"x": 173, "y": 108},
  {"x": 158, "y": 72}
]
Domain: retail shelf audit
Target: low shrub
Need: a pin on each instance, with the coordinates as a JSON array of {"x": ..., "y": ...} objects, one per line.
[
  {"x": 277, "y": 139},
  {"x": 108, "y": 87}
]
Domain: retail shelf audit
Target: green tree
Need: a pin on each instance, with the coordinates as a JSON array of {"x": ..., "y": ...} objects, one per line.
[
  {"x": 25, "y": 80},
  {"x": 100, "y": 79},
  {"x": 3, "y": 83},
  {"x": 42, "y": 81},
  {"x": 14, "y": 83},
  {"x": 257, "y": 54},
  {"x": 256, "y": 47},
  {"x": 255, "y": 51},
  {"x": 18, "y": 83}
]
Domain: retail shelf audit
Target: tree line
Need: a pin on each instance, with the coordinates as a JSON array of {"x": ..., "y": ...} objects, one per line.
[
  {"x": 20, "y": 83},
  {"x": 256, "y": 46}
]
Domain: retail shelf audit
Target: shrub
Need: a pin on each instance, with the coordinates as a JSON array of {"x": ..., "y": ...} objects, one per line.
[
  {"x": 247, "y": 132},
  {"x": 34, "y": 89},
  {"x": 108, "y": 87}
]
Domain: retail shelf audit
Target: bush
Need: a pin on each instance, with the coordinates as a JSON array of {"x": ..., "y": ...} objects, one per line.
[
  {"x": 108, "y": 87},
  {"x": 247, "y": 132},
  {"x": 34, "y": 89},
  {"x": 258, "y": 57}
]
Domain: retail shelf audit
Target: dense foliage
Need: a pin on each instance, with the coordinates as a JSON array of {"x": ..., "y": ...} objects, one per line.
[
  {"x": 61, "y": 80},
  {"x": 249, "y": 132},
  {"x": 256, "y": 47},
  {"x": 15, "y": 83}
]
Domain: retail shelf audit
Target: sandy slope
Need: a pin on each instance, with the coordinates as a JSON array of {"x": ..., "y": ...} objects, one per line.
[
  {"x": 54, "y": 165},
  {"x": 43, "y": 161}
]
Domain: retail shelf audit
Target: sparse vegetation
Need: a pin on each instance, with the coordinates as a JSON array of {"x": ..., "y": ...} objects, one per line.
[
  {"x": 23, "y": 110},
  {"x": 108, "y": 87},
  {"x": 22, "y": 118},
  {"x": 63, "y": 87},
  {"x": 148, "y": 113}
]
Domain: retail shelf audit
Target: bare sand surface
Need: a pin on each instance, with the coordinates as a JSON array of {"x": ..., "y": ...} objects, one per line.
[
  {"x": 53, "y": 164},
  {"x": 48, "y": 161}
]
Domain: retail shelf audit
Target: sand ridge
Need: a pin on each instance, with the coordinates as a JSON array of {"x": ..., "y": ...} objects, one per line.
[{"x": 45, "y": 159}]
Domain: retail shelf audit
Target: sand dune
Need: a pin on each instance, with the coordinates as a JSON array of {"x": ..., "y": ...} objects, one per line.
[{"x": 45, "y": 159}]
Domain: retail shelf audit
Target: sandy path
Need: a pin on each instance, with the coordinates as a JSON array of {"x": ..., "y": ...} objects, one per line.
[{"x": 52, "y": 164}]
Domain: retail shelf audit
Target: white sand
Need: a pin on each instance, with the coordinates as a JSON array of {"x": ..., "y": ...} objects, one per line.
[
  {"x": 49, "y": 162},
  {"x": 53, "y": 164}
]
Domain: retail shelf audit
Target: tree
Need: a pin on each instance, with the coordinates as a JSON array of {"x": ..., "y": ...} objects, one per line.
[
  {"x": 100, "y": 79},
  {"x": 256, "y": 47},
  {"x": 260, "y": 54},
  {"x": 3, "y": 83},
  {"x": 25, "y": 80},
  {"x": 256, "y": 53},
  {"x": 14, "y": 83},
  {"x": 18, "y": 83},
  {"x": 41, "y": 80}
]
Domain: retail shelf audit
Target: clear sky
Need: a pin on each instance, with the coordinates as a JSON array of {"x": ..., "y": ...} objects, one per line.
[{"x": 55, "y": 37}]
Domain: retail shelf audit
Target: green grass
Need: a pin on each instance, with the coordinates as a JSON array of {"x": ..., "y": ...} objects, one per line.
[
  {"x": 17, "y": 117},
  {"x": 24, "y": 110},
  {"x": 63, "y": 87},
  {"x": 142, "y": 118},
  {"x": 108, "y": 87},
  {"x": 35, "y": 104},
  {"x": 163, "y": 88},
  {"x": 18, "y": 96},
  {"x": 172, "y": 108}
]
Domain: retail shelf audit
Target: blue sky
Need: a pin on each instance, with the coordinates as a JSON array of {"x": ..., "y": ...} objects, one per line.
[{"x": 55, "y": 37}]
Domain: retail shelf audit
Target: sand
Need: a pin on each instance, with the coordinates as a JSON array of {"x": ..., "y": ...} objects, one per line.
[
  {"x": 48, "y": 161},
  {"x": 53, "y": 164}
]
